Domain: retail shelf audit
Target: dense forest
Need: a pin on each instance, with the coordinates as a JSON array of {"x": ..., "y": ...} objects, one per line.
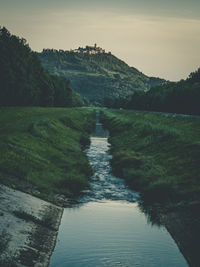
[
  {"x": 97, "y": 77},
  {"x": 24, "y": 81},
  {"x": 174, "y": 97}
]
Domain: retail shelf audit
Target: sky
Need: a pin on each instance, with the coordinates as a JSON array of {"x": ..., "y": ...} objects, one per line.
[{"x": 161, "y": 38}]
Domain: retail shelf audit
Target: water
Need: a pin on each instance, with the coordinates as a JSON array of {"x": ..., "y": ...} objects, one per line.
[{"x": 107, "y": 228}]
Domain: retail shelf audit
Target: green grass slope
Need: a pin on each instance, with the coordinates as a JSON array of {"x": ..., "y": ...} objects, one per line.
[
  {"x": 158, "y": 155},
  {"x": 97, "y": 77},
  {"x": 44, "y": 148}
]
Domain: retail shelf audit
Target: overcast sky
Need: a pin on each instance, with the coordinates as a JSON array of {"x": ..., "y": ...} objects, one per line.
[{"x": 159, "y": 37}]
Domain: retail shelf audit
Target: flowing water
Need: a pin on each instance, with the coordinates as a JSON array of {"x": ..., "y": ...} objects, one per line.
[{"x": 107, "y": 228}]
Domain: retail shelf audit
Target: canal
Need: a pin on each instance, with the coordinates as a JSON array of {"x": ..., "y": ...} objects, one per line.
[{"x": 107, "y": 227}]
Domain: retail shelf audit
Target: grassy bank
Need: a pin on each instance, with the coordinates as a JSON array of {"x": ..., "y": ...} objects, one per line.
[
  {"x": 157, "y": 155},
  {"x": 43, "y": 147}
]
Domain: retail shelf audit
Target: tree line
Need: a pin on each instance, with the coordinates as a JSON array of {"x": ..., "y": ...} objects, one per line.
[
  {"x": 174, "y": 97},
  {"x": 24, "y": 81}
]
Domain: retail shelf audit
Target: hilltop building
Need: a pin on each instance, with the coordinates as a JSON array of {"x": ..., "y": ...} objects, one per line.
[{"x": 89, "y": 50}]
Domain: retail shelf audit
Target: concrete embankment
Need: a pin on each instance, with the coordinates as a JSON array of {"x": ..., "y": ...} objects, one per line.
[{"x": 28, "y": 229}]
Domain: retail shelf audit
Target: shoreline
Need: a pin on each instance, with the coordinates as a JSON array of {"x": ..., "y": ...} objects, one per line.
[
  {"x": 184, "y": 228},
  {"x": 31, "y": 238},
  {"x": 42, "y": 167},
  {"x": 183, "y": 225},
  {"x": 154, "y": 154},
  {"x": 28, "y": 229}
]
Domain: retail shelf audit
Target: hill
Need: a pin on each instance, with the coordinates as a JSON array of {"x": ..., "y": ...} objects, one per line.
[
  {"x": 24, "y": 81},
  {"x": 95, "y": 74}
]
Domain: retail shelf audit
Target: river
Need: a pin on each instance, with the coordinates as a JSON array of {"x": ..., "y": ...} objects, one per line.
[{"x": 107, "y": 227}]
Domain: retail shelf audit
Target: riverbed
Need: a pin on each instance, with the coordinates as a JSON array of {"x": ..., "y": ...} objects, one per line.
[{"x": 107, "y": 227}]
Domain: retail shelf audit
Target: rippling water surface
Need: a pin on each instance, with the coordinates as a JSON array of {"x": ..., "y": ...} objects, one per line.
[
  {"x": 107, "y": 228},
  {"x": 105, "y": 186}
]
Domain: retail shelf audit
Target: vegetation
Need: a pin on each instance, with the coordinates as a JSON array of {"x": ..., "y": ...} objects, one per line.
[
  {"x": 46, "y": 222},
  {"x": 158, "y": 155},
  {"x": 98, "y": 78},
  {"x": 180, "y": 97},
  {"x": 24, "y": 82},
  {"x": 44, "y": 148}
]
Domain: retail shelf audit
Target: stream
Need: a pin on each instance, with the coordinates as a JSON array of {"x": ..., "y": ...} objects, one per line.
[{"x": 107, "y": 227}]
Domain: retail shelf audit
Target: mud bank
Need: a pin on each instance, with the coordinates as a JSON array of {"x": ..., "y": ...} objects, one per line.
[
  {"x": 184, "y": 227},
  {"x": 28, "y": 229}
]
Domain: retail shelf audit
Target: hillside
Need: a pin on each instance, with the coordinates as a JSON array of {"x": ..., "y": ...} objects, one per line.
[
  {"x": 96, "y": 75},
  {"x": 24, "y": 81}
]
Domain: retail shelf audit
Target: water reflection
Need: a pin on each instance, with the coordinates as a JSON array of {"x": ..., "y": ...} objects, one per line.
[
  {"x": 151, "y": 212},
  {"x": 112, "y": 233},
  {"x": 100, "y": 132}
]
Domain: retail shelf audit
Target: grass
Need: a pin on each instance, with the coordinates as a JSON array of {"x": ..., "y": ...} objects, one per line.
[
  {"x": 156, "y": 154},
  {"x": 44, "y": 147}
]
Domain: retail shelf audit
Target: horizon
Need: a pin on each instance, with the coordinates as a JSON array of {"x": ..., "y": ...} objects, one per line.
[{"x": 159, "y": 39}]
